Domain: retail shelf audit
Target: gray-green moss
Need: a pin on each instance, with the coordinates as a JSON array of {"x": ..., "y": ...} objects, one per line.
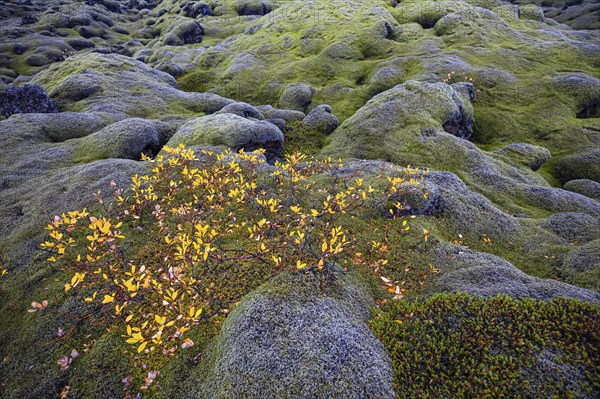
[{"x": 294, "y": 338}]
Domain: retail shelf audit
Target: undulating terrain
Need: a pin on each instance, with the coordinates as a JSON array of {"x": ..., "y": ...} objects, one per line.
[{"x": 475, "y": 274}]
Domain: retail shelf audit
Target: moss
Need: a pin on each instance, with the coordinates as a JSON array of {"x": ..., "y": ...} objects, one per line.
[
  {"x": 299, "y": 139},
  {"x": 196, "y": 80},
  {"x": 585, "y": 165},
  {"x": 462, "y": 346}
]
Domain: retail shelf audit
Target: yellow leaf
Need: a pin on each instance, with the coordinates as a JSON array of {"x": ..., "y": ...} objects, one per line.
[
  {"x": 300, "y": 265},
  {"x": 142, "y": 346},
  {"x": 160, "y": 320},
  {"x": 108, "y": 299}
]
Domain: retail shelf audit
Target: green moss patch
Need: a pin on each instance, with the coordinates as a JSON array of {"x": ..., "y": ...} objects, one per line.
[{"x": 460, "y": 346}]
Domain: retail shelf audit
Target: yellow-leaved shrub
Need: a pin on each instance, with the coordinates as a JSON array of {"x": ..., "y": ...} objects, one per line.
[{"x": 199, "y": 231}]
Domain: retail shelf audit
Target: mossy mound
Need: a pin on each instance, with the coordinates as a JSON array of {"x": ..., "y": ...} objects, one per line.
[
  {"x": 105, "y": 83},
  {"x": 464, "y": 346},
  {"x": 233, "y": 131},
  {"x": 293, "y": 338}
]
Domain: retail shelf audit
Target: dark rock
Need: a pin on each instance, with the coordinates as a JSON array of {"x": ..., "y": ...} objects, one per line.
[
  {"x": 461, "y": 124},
  {"x": 88, "y": 32},
  {"x": 253, "y": 7},
  {"x": 80, "y": 20},
  {"x": 24, "y": 100},
  {"x": 29, "y": 19},
  {"x": 106, "y": 20},
  {"x": 37, "y": 60},
  {"x": 19, "y": 48},
  {"x": 121, "y": 30},
  {"x": 170, "y": 67},
  {"x": 193, "y": 9},
  {"x": 189, "y": 32},
  {"x": 79, "y": 43},
  {"x": 112, "y": 5}
]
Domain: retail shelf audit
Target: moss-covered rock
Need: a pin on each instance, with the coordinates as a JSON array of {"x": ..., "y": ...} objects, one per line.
[
  {"x": 413, "y": 112},
  {"x": 293, "y": 338},
  {"x": 526, "y": 154},
  {"x": 586, "y": 187},
  {"x": 105, "y": 83},
  {"x": 573, "y": 226},
  {"x": 583, "y": 14},
  {"x": 296, "y": 96},
  {"x": 128, "y": 139},
  {"x": 233, "y": 131},
  {"x": 321, "y": 120},
  {"x": 585, "y": 165},
  {"x": 583, "y": 264},
  {"x": 482, "y": 274}
]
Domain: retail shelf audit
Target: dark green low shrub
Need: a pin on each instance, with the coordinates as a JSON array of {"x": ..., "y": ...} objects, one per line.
[{"x": 460, "y": 346}]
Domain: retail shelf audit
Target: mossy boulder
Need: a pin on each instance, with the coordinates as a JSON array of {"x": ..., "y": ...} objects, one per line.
[
  {"x": 288, "y": 115},
  {"x": 482, "y": 274},
  {"x": 474, "y": 25},
  {"x": 526, "y": 154},
  {"x": 128, "y": 139},
  {"x": 583, "y": 14},
  {"x": 296, "y": 96},
  {"x": 105, "y": 83},
  {"x": 184, "y": 32},
  {"x": 585, "y": 165},
  {"x": 242, "y": 109},
  {"x": 531, "y": 12},
  {"x": 321, "y": 120},
  {"x": 556, "y": 200},
  {"x": 292, "y": 338},
  {"x": 583, "y": 264},
  {"x": 589, "y": 188},
  {"x": 233, "y": 131},
  {"x": 413, "y": 112},
  {"x": 574, "y": 227}
]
